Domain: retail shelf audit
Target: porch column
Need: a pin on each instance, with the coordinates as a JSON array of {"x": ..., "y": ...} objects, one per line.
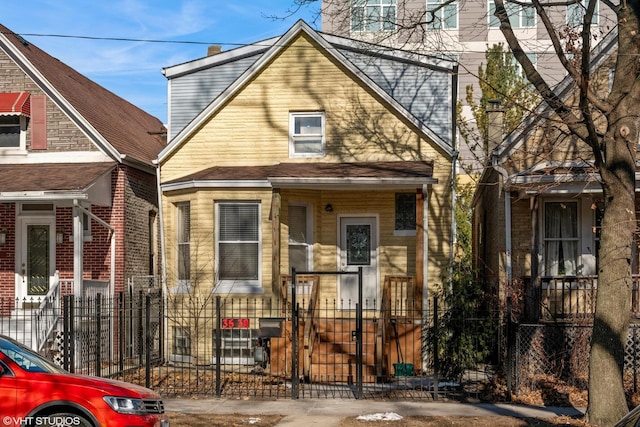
[
  {"x": 276, "y": 202},
  {"x": 421, "y": 283},
  {"x": 78, "y": 250}
]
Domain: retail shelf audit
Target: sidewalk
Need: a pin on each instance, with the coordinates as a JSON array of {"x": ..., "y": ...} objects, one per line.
[{"x": 329, "y": 412}]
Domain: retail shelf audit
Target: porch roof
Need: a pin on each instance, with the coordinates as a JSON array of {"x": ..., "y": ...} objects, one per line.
[
  {"x": 56, "y": 181},
  {"x": 306, "y": 175}
]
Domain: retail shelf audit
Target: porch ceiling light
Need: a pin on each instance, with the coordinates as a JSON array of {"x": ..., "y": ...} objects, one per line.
[{"x": 3, "y": 236}]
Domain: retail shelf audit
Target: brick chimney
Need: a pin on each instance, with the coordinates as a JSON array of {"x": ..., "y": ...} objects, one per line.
[
  {"x": 214, "y": 50},
  {"x": 495, "y": 117}
]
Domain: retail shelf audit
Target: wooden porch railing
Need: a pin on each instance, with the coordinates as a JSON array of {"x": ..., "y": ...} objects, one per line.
[
  {"x": 307, "y": 296},
  {"x": 566, "y": 298}
]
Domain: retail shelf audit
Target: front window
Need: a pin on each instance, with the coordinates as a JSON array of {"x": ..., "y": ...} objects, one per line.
[
  {"x": 519, "y": 16},
  {"x": 299, "y": 237},
  {"x": 306, "y": 134},
  {"x": 405, "y": 214},
  {"x": 373, "y": 15},
  {"x": 183, "y": 240},
  {"x": 238, "y": 248},
  {"x": 561, "y": 238},
  {"x": 181, "y": 343},
  {"x": 444, "y": 17},
  {"x": 576, "y": 12}
]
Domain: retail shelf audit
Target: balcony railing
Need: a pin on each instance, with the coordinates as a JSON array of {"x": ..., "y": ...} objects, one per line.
[{"x": 570, "y": 298}]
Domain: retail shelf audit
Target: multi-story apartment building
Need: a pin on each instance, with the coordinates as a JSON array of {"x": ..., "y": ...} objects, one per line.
[{"x": 460, "y": 29}]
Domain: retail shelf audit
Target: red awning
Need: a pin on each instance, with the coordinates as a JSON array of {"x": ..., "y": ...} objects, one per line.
[{"x": 13, "y": 103}]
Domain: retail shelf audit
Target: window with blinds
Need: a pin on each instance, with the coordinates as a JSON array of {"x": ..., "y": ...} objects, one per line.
[{"x": 238, "y": 243}]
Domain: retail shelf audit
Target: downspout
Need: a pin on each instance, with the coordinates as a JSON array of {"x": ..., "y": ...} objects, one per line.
[
  {"x": 454, "y": 166},
  {"x": 495, "y": 114},
  {"x": 454, "y": 226},
  {"x": 163, "y": 268},
  {"x": 163, "y": 255}
]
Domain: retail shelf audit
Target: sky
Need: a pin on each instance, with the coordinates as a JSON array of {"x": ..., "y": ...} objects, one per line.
[{"x": 74, "y": 31}]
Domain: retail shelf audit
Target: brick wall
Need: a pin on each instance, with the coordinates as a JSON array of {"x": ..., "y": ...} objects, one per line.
[{"x": 62, "y": 133}]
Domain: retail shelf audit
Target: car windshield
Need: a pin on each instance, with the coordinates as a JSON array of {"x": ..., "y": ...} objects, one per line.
[{"x": 26, "y": 358}]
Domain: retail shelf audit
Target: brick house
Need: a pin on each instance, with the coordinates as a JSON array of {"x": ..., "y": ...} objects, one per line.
[{"x": 78, "y": 199}]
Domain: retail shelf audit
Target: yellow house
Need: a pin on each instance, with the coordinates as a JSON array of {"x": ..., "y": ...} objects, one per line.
[{"x": 309, "y": 152}]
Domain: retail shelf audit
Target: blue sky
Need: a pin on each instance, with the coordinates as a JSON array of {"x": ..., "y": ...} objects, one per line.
[{"x": 133, "y": 69}]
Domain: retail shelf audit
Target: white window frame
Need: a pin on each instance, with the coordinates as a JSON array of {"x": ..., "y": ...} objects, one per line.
[
  {"x": 183, "y": 242},
  {"x": 296, "y": 136},
  {"x": 308, "y": 244},
  {"x": 442, "y": 17},
  {"x": 180, "y": 339},
  {"x": 516, "y": 22},
  {"x": 577, "y": 239},
  {"x": 364, "y": 21},
  {"x": 576, "y": 11},
  {"x": 22, "y": 143},
  {"x": 238, "y": 286}
]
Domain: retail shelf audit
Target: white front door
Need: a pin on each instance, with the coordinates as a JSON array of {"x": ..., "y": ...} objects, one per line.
[
  {"x": 35, "y": 258},
  {"x": 359, "y": 248}
]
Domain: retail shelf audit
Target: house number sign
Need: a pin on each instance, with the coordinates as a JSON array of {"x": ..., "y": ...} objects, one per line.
[{"x": 233, "y": 323}]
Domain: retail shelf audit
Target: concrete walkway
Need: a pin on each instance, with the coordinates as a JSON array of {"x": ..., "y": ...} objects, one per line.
[{"x": 329, "y": 412}]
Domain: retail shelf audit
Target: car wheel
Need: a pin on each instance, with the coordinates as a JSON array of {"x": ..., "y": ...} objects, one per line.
[{"x": 63, "y": 419}]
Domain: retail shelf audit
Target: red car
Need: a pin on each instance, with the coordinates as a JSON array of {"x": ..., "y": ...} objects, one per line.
[{"x": 35, "y": 392}]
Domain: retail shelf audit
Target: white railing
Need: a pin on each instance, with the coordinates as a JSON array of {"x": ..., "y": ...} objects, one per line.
[{"x": 46, "y": 316}]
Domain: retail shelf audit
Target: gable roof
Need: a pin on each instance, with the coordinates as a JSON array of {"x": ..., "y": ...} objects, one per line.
[
  {"x": 120, "y": 129},
  {"x": 363, "y": 61},
  {"x": 603, "y": 50}
]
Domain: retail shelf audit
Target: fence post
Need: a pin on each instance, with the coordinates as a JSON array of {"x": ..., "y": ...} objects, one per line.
[
  {"x": 72, "y": 340},
  {"x": 359, "y": 337},
  {"x": 295, "y": 380},
  {"x": 436, "y": 348},
  {"x": 98, "y": 331},
  {"x": 510, "y": 351},
  {"x": 65, "y": 333},
  {"x": 121, "y": 329},
  {"x": 218, "y": 348},
  {"x": 140, "y": 336},
  {"x": 147, "y": 342}
]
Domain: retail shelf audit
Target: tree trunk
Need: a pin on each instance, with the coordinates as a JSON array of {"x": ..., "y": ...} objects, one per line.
[{"x": 607, "y": 402}]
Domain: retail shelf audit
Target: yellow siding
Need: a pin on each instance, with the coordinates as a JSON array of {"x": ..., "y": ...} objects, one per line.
[{"x": 252, "y": 129}]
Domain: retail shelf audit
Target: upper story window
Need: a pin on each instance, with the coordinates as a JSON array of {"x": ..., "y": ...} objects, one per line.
[
  {"x": 15, "y": 107},
  {"x": 576, "y": 12},
  {"x": 444, "y": 17},
  {"x": 373, "y": 15},
  {"x": 519, "y": 16},
  {"x": 10, "y": 131},
  {"x": 306, "y": 135},
  {"x": 561, "y": 238}
]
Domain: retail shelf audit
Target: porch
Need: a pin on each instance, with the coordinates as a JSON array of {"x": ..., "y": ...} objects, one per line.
[
  {"x": 572, "y": 298},
  {"x": 381, "y": 341}
]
